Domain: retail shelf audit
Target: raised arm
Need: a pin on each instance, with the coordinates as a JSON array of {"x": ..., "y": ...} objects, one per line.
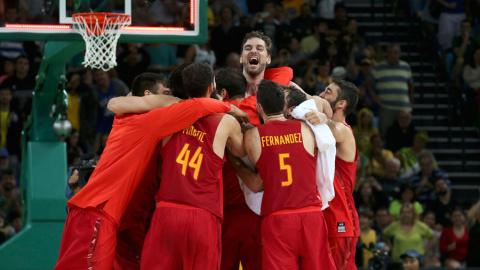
[{"x": 134, "y": 104}]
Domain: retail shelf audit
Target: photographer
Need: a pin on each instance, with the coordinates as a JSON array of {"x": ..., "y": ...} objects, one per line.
[{"x": 79, "y": 174}]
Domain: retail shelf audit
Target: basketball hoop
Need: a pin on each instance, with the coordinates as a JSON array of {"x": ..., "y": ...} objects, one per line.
[{"x": 101, "y": 32}]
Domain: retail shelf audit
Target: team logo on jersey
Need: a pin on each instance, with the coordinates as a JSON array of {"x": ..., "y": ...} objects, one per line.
[{"x": 341, "y": 227}]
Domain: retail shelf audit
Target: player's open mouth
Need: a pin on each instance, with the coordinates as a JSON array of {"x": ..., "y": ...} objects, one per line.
[{"x": 253, "y": 61}]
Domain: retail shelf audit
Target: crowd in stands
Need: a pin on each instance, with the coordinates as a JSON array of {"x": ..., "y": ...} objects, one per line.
[{"x": 403, "y": 198}]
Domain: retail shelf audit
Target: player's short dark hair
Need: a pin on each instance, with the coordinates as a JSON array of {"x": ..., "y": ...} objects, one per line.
[
  {"x": 175, "y": 82},
  {"x": 271, "y": 96},
  {"x": 147, "y": 81},
  {"x": 349, "y": 92},
  {"x": 232, "y": 80},
  {"x": 295, "y": 96},
  {"x": 260, "y": 35},
  {"x": 197, "y": 77}
]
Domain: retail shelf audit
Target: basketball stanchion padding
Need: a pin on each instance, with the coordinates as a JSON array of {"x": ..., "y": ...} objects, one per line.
[{"x": 100, "y": 31}]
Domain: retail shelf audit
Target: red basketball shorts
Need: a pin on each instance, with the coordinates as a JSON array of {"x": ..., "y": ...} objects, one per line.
[
  {"x": 88, "y": 240},
  {"x": 182, "y": 238},
  {"x": 296, "y": 240},
  {"x": 343, "y": 252}
]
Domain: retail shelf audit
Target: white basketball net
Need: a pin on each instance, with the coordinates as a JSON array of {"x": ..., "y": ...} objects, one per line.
[{"x": 100, "y": 38}]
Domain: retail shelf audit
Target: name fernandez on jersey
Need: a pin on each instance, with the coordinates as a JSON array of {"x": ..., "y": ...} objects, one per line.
[
  {"x": 191, "y": 131},
  {"x": 281, "y": 139}
]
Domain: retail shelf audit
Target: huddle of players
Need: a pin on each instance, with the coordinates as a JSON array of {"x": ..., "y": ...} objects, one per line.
[{"x": 184, "y": 232}]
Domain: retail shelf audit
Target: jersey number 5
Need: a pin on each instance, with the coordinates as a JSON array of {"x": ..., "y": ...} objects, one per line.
[
  {"x": 195, "y": 162},
  {"x": 286, "y": 167}
]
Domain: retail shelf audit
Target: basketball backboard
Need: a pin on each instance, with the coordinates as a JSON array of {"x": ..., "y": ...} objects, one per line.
[{"x": 152, "y": 21}]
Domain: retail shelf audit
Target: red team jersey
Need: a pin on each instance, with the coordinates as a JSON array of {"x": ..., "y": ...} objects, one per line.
[
  {"x": 341, "y": 216},
  {"x": 191, "y": 170},
  {"x": 132, "y": 141},
  {"x": 293, "y": 174}
]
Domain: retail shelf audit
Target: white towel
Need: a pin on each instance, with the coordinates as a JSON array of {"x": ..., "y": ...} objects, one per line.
[
  {"x": 327, "y": 151},
  {"x": 253, "y": 199}
]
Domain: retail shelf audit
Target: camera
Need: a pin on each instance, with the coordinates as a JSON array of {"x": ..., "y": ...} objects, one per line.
[
  {"x": 85, "y": 167},
  {"x": 380, "y": 256}
]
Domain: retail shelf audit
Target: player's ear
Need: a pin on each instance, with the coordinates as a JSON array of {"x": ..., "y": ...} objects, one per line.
[
  {"x": 342, "y": 104},
  {"x": 167, "y": 92},
  {"x": 210, "y": 89},
  {"x": 224, "y": 94},
  {"x": 269, "y": 59},
  {"x": 147, "y": 93},
  {"x": 290, "y": 110}
]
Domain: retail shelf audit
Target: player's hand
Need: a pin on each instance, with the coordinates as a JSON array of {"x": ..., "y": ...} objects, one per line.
[
  {"x": 246, "y": 126},
  {"x": 240, "y": 115},
  {"x": 316, "y": 118}
]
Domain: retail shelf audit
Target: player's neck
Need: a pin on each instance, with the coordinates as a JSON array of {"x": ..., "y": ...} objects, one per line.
[
  {"x": 277, "y": 117},
  {"x": 253, "y": 80},
  {"x": 338, "y": 116}
]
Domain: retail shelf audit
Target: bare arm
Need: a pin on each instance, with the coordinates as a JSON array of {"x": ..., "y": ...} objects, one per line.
[
  {"x": 322, "y": 104},
  {"x": 251, "y": 179},
  {"x": 134, "y": 104},
  {"x": 235, "y": 139},
  {"x": 369, "y": 87}
]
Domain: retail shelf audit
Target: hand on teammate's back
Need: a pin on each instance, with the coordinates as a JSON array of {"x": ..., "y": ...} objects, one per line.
[{"x": 240, "y": 115}]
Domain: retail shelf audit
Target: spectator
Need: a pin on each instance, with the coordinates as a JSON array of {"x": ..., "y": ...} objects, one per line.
[
  {"x": 423, "y": 181},
  {"x": 351, "y": 41},
  {"x": 377, "y": 156},
  {"x": 382, "y": 221},
  {"x": 473, "y": 222},
  {"x": 10, "y": 49},
  {"x": 391, "y": 183},
  {"x": 133, "y": 61},
  {"x": 317, "y": 77},
  {"x": 463, "y": 46},
  {"x": 412, "y": 260},
  {"x": 339, "y": 22},
  {"x": 394, "y": 83},
  {"x": 402, "y": 132},
  {"x": 8, "y": 70},
  {"x": 311, "y": 43},
  {"x": 454, "y": 240},
  {"x": 225, "y": 37},
  {"x": 165, "y": 13},
  {"x": 409, "y": 155},
  {"x": 369, "y": 195},
  {"x": 443, "y": 205},
  {"x": 22, "y": 84},
  {"x": 81, "y": 100},
  {"x": 11, "y": 125},
  {"x": 451, "y": 16},
  {"x": 162, "y": 58},
  {"x": 303, "y": 25},
  {"x": 364, "y": 130},
  {"x": 326, "y": 8},
  {"x": 432, "y": 258},
  {"x": 201, "y": 53},
  {"x": 233, "y": 61},
  {"x": 105, "y": 89},
  {"x": 367, "y": 237},
  {"x": 9, "y": 194},
  {"x": 74, "y": 151},
  {"x": 405, "y": 196},
  {"x": 471, "y": 76},
  {"x": 265, "y": 21},
  {"x": 408, "y": 233}
]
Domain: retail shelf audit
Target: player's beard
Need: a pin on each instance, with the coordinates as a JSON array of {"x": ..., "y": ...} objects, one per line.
[
  {"x": 260, "y": 118},
  {"x": 260, "y": 69}
]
